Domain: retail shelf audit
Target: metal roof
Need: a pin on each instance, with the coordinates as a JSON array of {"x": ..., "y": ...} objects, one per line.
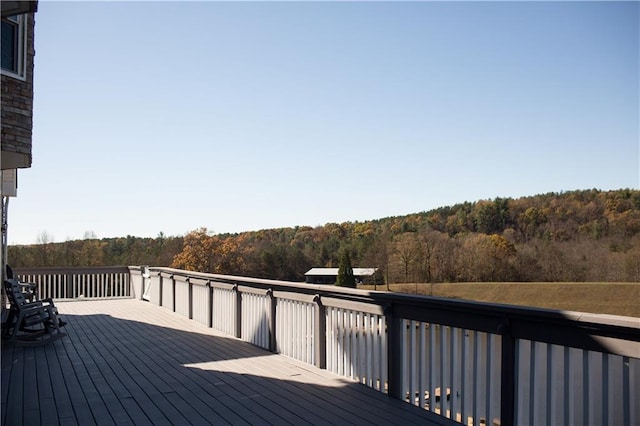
[{"x": 358, "y": 272}]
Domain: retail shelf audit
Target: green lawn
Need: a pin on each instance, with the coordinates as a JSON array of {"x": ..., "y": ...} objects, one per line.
[{"x": 602, "y": 298}]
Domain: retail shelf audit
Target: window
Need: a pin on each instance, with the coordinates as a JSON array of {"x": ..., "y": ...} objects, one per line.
[{"x": 13, "y": 46}]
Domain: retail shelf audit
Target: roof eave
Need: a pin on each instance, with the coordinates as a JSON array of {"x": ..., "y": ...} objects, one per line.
[{"x": 10, "y": 8}]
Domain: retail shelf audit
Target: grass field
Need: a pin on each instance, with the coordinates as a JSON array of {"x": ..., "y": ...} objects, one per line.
[{"x": 601, "y": 298}]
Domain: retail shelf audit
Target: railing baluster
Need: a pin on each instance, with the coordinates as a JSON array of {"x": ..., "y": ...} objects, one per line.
[
  {"x": 595, "y": 385},
  {"x": 320, "y": 333},
  {"x": 628, "y": 396},
  {"x": 291, "y": 319},
  {"x": 463, "y": 375},
  {"x": 369, "y": 334},
  {"x": 300, "y": 330},
  {"x": 331, "y": 350},
  {"x": 341, "y": 342},
  {"x": 453, "y": 374},
  {"x": 352, "y": 345},
  {"x": 476, "y": 379},
  {"x": 442, "y": 369},
  {"x": 361, "y": 335},
  {"x": 567, "y": 388},
  {"x": 421, "y": 373},
  {"x": 605, "y": 389},
  {"x": 383, "y": 353},
  {"x": 310, "y": 337},
  {"x": 585, "y": 386},
  {"x": 491, "y": 377}
]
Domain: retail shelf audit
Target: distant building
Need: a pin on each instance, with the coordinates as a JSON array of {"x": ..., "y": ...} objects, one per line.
[{"x": 329, "y": 275}]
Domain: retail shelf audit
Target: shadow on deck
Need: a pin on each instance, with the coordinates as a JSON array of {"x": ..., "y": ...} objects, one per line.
[{"x": 129, "y": 362}]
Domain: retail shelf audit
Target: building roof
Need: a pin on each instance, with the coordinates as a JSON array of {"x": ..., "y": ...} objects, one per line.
[
  {"x": 10, "y": 8},
  {"x": 358, "y": 272}
]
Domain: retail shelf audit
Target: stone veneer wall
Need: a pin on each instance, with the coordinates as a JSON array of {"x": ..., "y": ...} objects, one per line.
[{"x": 17, "y": 104}]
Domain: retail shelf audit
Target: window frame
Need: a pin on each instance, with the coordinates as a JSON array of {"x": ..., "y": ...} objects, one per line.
[{"x": 20, "y": 46}]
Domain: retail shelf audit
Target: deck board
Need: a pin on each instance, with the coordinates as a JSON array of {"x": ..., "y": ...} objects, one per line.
[
  {"x": 46, "y": 402},
  {"x": 126, "y": 362}
]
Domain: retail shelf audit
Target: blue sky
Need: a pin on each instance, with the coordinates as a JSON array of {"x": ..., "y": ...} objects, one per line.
[{"x": 169, "y": 116}]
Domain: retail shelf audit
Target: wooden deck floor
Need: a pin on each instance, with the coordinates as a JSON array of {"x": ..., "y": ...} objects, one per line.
[{"x": 126, "y": 362}]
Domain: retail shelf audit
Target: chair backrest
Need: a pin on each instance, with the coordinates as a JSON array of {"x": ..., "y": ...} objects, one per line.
[
  {"x": 10, "y": 275},
  {"x": 14, "y": 293}
]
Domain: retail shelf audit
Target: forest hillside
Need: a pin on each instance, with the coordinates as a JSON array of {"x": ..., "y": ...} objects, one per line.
[{"x": 575, "y": 236}]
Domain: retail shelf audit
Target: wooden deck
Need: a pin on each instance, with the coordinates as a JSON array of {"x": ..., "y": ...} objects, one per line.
[{"x": 127, "y": 362}]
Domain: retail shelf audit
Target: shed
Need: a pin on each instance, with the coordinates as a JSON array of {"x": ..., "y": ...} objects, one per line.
[{"x": 330, "y": 275}]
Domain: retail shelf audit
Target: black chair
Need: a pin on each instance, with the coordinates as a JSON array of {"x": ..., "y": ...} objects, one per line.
[
  {"x": 30, "y": 290},
  {"x": 30, "y": 322}
]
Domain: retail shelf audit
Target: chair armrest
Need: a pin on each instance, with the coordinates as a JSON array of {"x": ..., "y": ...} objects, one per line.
[
  {"x": 34, "y": 307},
  {"x": 27, "y": 285},
  {"x": 42, "y": 303}
]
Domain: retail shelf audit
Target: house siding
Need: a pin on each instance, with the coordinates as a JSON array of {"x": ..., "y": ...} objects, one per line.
[{"x": 17, "y": 109}]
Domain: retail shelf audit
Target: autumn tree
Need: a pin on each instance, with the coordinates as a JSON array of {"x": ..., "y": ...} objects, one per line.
[
  {"x": 485, "y": 258},
  {"x": 198, "y": 252},
  {"x": 228, "y": 259},
  {"x": 530, "y": 221}
]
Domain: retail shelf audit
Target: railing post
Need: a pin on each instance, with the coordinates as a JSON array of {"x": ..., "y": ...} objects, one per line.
[
  {"x": 190, "y": 297},
  {"x": 210, "y": 305},
  {"x": 273, "y": 343},
  {"x": 320, "y": 333},
  {"x": 238, "y": 318},
  {"x": 68, "y": 285},
  {"x": 394, "y": 353},
  {"x": 507, "y": 375},
  {"x": 128, "y": 285},
  {"x": 145, "y": 275},
  {"x": 173, "y": 293}
]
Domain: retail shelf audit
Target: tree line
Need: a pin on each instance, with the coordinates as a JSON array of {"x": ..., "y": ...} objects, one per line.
[{"x": 581, "y": 236}]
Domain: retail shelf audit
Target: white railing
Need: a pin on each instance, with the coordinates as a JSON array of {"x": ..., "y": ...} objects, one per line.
[
  {"x": 224, "y": 310},
  {"x": 472, "y": 363},
  {"x": 182, "y": 296},
  {"x": 201, "y": 309},
  {"x": 443, "y": 355},
  {"x": 356, "y": 342},
  {"x": 563, "y": 385},
  {"x": 256, "y": 316},
  {"x": 453, "y": 372},
  {"x": 295, "y": 326},
  {"x": 78, "y": 283}
]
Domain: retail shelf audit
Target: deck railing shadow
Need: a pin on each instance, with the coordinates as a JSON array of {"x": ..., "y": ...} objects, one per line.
[{"x": 476, "y": 363}]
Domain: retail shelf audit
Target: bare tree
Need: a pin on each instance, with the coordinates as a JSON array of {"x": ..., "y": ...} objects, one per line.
[
  {"x": 404, "y": 252},
  {"x": 45, "y": 254}
]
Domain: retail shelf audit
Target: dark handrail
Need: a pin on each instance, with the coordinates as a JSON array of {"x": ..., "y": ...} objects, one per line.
[{"x": 567, "y": 328}]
